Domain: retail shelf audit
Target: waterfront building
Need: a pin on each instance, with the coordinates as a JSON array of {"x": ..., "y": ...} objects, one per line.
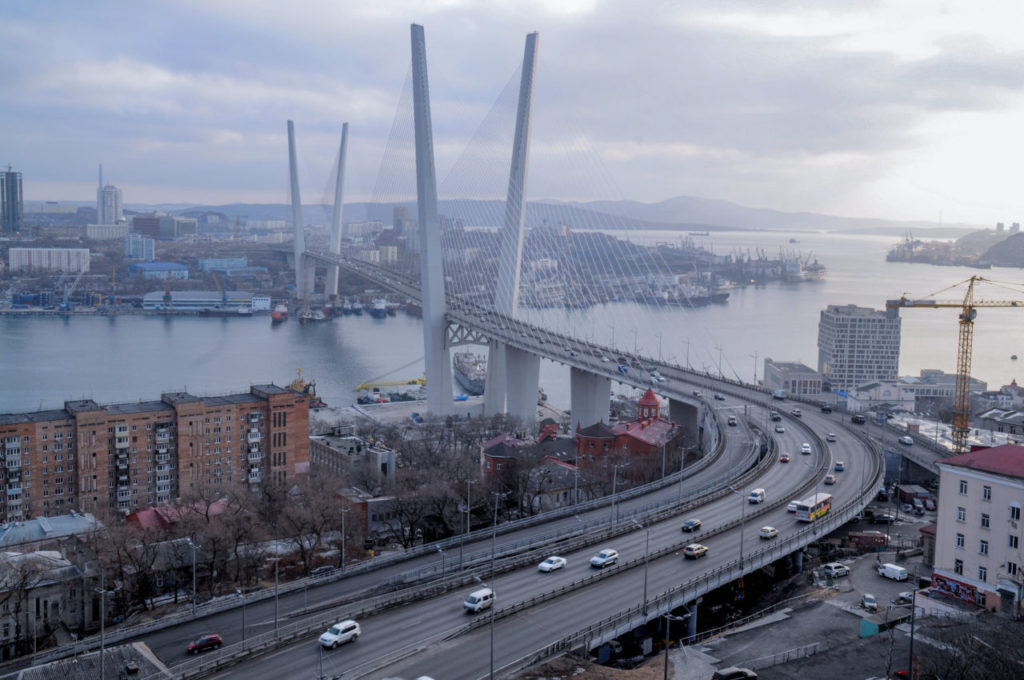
[
  {"x": 858, "y": 345},
  {"x": 159, "y": 271},
  {"x": 883, "y": 396},
  {"x": 792, "y": 376},
  {"x": 978, "y": 556},
  {"x": 139, "y": 247},
  {"x": 340, "y": 451},
  {"x": 66, "y": 260},
  {"x": 12, "y": 206},
  {"x": 87, "y": 456},
  {"x": 646, "y": 440}
]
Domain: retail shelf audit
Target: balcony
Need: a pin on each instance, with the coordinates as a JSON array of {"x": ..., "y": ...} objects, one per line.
[
  {"x": 253, "y": 436},
  {"x": 255, "y": 456},
  {"x": 122, "y": 442},
  {"x": 254, "y": 417},
  {"x": 163, "y": 468},
  {"x": 13, "y": 446},
  {"x": 13, "y": 463},
  {"x": 14, "y": 490},
  {"x": 124, "y": 494},
  {"x": 122, "y": 465},
  {"x": 163, "y": 458},
  {"x": 254, "y": 476}
]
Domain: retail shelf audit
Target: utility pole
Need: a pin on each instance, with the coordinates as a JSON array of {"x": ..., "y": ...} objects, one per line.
[{"x": 755, "y": 367}]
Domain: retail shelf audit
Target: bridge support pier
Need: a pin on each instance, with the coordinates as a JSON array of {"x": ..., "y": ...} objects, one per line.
[
  {"x": 798, "y": 561},
  {"x": 686, "y": 416},
  {"x": 589, "y": 397},
  {"x": 691, "y": 622},
  {"x": 523, "y": 376},
  {"x": 496, "y": 387}
]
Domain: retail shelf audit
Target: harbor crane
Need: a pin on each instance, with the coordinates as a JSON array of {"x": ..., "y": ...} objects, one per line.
[{"x": 968, "y": 312}]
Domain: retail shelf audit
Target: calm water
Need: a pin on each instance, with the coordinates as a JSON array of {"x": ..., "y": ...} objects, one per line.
[{"x": 44, "y": 361}]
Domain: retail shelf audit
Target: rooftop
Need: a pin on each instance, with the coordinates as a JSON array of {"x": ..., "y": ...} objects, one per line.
[{"x": 1006, "y": 460}]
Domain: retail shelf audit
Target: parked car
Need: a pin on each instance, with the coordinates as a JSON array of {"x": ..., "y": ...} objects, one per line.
[
  {"x": 929, "y": 504},
  {"x": 734, "y": 673},
  {"x": 552, "y": 563},
  {"x": 830, "y": 437},
  {"x": 883, "y": 519},
  {"x": 695, "y": 550},
  {"x": 605, "y": 558},
  {"x": 784, "y": 458},
  {"x": 691, "y": 524},
  {"x": 340, "y": 633},
  {"x": 205, "y": 643},
  {"x": 840, "y": 466},
  {"x": 906, "y": 440},
  {"x": 768, "y": 532},
  {"x": 775, "y": 417},
  {"x": 780, "y": 428},
  {"x": 906, "y": 597},
  {"x": 719, "y": 396},
  {"x": 869, "y": 602},
  {"x": 805, "y": 448},
  {"x": 836, "y": 569}
]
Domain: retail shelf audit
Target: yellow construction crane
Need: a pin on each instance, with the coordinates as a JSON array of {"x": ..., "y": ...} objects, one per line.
[
  {"x": 968, "y": 312},
  {"x": 391, "y": 383}
]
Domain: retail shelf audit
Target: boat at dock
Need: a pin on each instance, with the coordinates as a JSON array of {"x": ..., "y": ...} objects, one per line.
[
  {"x": 279, "y": 315},
  {"x": 470, "y": 371},
  {"x": 226, "y": 312},
  {"x": 378, "y": 309}
]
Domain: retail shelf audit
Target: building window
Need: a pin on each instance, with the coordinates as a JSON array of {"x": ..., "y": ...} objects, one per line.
[
  {"x": 983, "y": 573},
  {"x": 963, "y": 487},
  {"x": 958, "y": 567},
  {"x": 1015, "y": 513},
  {"x": 984, "y": 521},
  {"x": 1014, "y": 542},
  {"x": 960, "y": 541},
  {"x": 986, "y": 493},
  {"x": 1011, "y": 568},
  {"x": 961, "y": 514},
  {"x": 983, "y": 547}
]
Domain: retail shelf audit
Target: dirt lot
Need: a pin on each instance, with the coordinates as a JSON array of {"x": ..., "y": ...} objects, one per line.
[{"x": 565, "y": 667}]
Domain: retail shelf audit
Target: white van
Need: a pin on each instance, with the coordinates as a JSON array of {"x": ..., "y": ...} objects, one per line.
[
  {"x": 479, "y": 600},
  {"x": 896, "y": 573},
  {"x": 756, "y": 496}
]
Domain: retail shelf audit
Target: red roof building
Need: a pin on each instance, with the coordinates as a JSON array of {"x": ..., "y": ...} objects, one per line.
[{"x": 646, "y": 438}]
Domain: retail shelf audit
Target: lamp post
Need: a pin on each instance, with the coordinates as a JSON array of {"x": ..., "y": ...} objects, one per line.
[
  {"x": 192, "y": 545},
  {"x": 344, "y": 511},
  {"x": 743, "y": 518},
  {"x": 647, "y": 556},
  {"x": 277, "y": 569},
  {"x": 494, "y": 538},
  {"x": 755, "y": 367},
  {"x": 668, "y": 622},
  {"x": 462, "y": 543},
  {"x": 913, "y": 611},
  {"x": 241, "y": 593},
  {"x": 615, "y": 471},
  {"x": 441, "y": 550}
]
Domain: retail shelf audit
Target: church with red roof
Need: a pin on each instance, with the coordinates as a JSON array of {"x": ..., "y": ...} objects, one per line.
[{"x": 646, "y": 439}]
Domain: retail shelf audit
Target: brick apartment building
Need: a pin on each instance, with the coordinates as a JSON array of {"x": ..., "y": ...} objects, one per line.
[{"x": 124, "y": 457}]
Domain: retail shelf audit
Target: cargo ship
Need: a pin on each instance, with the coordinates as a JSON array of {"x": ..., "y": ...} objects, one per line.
[
  {"x": 470, "y": 371},
  {"x": 378, "y": 309},
  {"x": 226, "y": 312}
]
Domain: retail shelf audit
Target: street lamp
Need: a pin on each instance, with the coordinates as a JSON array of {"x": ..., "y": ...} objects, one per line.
[
  {"x": 103, "y": 593},
  {"x": 344, "y": 511},
  {"x": 494, "y": 538},
  {"x": 192, "y": 545},
  {"x": 615, "y": 471},
  {"x": 277, "y": 569},
  {"x": 441, "y": 550},
  {"x": 462, "y": 543},
  {"x": 241, "y": 593},
  {"x": 647, "y": 556},
  {"x": 668, "y": 622},
  {"x": 743, "y": 518}
]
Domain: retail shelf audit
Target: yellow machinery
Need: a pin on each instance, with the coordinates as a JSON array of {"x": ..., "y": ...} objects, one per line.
[
  {"x": 391, "y": 383},
  {"x": 968, "y": 312}
]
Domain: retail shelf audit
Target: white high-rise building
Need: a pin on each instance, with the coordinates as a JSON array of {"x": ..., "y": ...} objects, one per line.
[
  {"x": 108, "y": 205},
  {"x": 858, "y": 345}
]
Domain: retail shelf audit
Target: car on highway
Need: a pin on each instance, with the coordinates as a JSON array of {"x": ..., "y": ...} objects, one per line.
[
  {"x": 830, "y": 437},
  {"x": 605, "y": 359},
  {"x": 906, "y": 440},
  {"x": 805, "y": 448},
  {"x": 796, "y": 413},
  {"x": 552, "y": 563},
  {"x": 340, "y": 633},
  {"x": 836, "y": 569},
  {"x": 605, "y": 558},
  {"x": 691, "y": 524},
  {"x": 732, "y": 421},
  {"x": 825, "y": 408},
  {"x": 830, "y": 479},
  {"x": 698, "y": 393},
  {"x": 839, "y": 466},
  {"x": 205, "y": 643},
  {"x": 734, "y": 673},
  {"x": 325, "y": 570},
  {"x": 784, "y": 458},
  {"x": 694, "y": 551},
  {"x": 768, "y": 532},
  {"x": 719, "y": 396},
  {"x": 792, "y": 505},
  {"x": 883, "y": 519},
  {"x": 780, "y": 428}
]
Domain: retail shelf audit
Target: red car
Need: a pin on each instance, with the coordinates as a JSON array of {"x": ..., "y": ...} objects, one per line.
[{"x": 204, "y": 643}]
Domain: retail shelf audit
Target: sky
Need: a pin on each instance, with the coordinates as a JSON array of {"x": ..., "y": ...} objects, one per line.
[{"x": 902, "y": 109}]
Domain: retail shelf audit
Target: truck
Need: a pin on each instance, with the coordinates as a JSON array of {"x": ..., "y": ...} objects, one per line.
[
  {"x": 779, "y": 394},
  {"x": 908, "y": 492},
  {"x": 893, "y": 571}
]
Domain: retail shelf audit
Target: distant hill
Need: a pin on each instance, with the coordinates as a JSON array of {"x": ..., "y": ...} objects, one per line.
[{"x": 682, "y": 212}]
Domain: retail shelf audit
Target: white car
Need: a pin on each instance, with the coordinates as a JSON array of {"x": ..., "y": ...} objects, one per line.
[
  {"x": 830, "y": 437},
  {"x": 605, "y": 558},
  {"x": 835, "y": 569},
  {"x": 805, "y": 448},
  {"x": 768, "y": 532},
  {"x": 340, "y": 633},
  {"x": 906, "y": 441},
  {"x": 780, "y": 428},
  {"x": 552, "y": 563}
]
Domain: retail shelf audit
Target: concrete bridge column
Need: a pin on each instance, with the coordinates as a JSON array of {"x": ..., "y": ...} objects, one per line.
[
  {"x": 691, "y": 623},
  {"x": 798, "y": 561},
  {"x": 497, "y": 379},
  {"x": 589, "y": 397},
  {"x": 523, "y": 375},
  {"x": 686, "y": 416}
]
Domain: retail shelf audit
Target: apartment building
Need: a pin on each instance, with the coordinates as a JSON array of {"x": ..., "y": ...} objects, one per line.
[
  {"x": 124, "y": 457},
  {"x": 858, "y": 345},
  {"x": 978, "y": 532}
]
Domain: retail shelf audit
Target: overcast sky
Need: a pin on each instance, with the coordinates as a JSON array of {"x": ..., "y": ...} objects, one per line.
[{"x": 905, "y": 109}]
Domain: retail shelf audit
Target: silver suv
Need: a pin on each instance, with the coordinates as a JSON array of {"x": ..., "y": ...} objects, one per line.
[{"x": 835, "y": 569}]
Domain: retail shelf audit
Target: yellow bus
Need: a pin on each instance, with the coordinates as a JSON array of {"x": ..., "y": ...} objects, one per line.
[{"x": 810, "y": 509}]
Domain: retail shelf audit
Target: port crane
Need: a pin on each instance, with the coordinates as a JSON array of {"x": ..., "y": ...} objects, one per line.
[{"x": 968, "y": 313}]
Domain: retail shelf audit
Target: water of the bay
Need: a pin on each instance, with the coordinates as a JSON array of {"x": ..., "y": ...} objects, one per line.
[{"x": 45, "y": 361}]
